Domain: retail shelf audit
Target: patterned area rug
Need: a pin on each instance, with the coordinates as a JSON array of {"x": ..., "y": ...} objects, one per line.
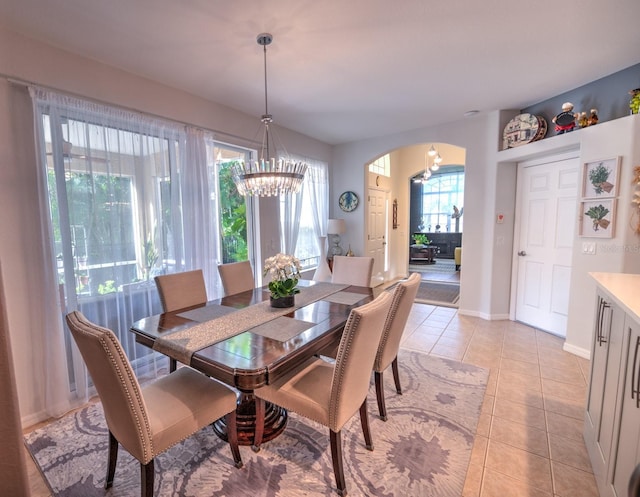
[{"x": 422, "y": 450}]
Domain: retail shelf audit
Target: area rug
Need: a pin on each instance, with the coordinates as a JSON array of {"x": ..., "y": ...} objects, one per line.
[
  {"x": 422, "y": 450},
  {"x": 436, "y": 293},
  {"x": 430, "y": 292}
]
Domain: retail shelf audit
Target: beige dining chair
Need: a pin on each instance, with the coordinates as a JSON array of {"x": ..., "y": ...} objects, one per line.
[
  {"x": 404, "y": 295},
  {"x": 352, "y": 270},
  {"x": 331, "y": 393},
  {"x": 236, "y": 277},
  {"x": 148, "y": 420},
  {"x": 181, "y": 290}
]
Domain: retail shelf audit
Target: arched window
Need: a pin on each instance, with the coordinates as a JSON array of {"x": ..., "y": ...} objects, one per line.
[{"x": 440, "y": 201}]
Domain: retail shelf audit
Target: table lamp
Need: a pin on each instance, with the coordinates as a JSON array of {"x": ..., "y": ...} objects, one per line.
[{"x": 336, "y": 227}]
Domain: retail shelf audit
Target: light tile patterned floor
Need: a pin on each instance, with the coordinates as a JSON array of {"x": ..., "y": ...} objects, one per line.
[{"x": 529, "y": 437}]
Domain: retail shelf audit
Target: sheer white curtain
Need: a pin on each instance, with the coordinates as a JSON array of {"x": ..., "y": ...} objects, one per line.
[
  {"x": 292, "y": 208},
  {"x": 304, "y": 215},
  {"x": 197, "y": 185},
  {"x": 316, "y": 185},
  {"x": 124, "y": 197}
]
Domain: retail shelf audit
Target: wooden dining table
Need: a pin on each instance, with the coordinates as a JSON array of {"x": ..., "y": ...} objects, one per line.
[{"x": 275, "y": 342}]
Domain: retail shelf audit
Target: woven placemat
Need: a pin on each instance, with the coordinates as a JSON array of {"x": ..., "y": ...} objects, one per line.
[{"x": 282, "y": 329}]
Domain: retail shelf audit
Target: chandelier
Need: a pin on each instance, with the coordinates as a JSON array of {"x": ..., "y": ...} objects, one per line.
[
  {"x": 433, "y": 155},
  {"x": 269, "y": 175}
]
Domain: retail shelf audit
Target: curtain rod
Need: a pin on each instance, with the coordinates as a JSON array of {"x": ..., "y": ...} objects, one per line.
[{"x": 25, "y": 83}]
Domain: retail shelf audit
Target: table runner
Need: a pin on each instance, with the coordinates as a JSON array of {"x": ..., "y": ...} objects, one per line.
[{"x": 182, "y": 344}]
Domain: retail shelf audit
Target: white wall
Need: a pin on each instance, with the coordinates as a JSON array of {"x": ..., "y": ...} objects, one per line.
[
  {"x": 477, "y": 136},
  {"x": 25, "y": 59},
  {"x": 490, "y": 185}
]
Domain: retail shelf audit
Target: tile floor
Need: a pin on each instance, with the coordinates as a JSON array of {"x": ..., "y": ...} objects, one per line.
[{"x": 529, "y": 437}]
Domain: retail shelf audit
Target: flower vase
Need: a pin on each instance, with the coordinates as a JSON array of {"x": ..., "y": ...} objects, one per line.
[
  {"x": 323, "y": 273},
  {"x": 283, "y": 302}
]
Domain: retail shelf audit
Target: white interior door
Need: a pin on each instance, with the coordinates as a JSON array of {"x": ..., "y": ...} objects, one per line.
[
  {"x": 547, "y": 219},
  {"x": 376, "y": 234}
]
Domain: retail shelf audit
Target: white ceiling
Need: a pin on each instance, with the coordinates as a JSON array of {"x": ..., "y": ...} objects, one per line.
[{"x": 344, "y": 70}]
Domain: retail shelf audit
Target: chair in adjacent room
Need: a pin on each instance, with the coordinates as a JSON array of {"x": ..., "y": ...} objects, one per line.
[
  {"x": 179, "y": 291},
  {"x": 404, "y": 295},
  {"x": 148, "y": 420},
  {"x": 236, "y": 277},
  {"x": 331, "y": 393},
  {"x": 457, "y": 256},
  {"x": 352, "y": 270}
]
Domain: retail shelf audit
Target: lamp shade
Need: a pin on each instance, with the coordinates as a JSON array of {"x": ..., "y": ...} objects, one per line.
[{"x": 336, "y": 227}]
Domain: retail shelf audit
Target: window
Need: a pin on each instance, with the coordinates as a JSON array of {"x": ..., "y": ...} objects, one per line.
[
  {"x": 235, "y": 239},
  {"x": 439, "y": 195},
  {"x": 126, "y": 197},
  {"x": 381, "y": 166}
]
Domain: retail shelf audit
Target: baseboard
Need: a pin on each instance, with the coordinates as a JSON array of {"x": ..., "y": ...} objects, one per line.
[
  {"x": 484, "y": 315},
  {"x": 33, "y": 419},
  {"x": 579, "y": 351}
]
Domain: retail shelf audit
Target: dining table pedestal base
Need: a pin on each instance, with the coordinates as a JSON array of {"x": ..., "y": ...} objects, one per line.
[{"x": 275, "y": 420}]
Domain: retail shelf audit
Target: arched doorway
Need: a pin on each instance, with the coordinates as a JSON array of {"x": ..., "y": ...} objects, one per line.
[{"x": 395, "y": 190}]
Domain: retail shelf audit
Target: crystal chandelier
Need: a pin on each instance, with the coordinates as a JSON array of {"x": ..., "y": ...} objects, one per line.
[
  {"x": 432, "y": 154},
  {"x": 269, "y": 175}
]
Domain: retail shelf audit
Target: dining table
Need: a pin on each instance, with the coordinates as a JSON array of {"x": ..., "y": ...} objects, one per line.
[{"x": 243, "y": 342}]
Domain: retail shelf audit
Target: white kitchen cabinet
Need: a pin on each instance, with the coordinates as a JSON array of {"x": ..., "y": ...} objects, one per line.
[
  {"x": 606, "y": 355},
  {"x": 612, "y": 415},
  {"x": 627, "y": 453}
]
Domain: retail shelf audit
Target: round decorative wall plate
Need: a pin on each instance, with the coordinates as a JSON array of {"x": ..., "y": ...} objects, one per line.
[
  {"x": 524, "y": 128},
  {"x": 348, "y": 201}
]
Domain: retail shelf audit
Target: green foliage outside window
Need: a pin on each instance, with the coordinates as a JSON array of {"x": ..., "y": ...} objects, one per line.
[{"x": 233, "y": 217}]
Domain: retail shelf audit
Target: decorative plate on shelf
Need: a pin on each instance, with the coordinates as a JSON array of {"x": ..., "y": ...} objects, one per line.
[
  {"x": 524, "y": 128},
  {"x": 348, "y": 201}
]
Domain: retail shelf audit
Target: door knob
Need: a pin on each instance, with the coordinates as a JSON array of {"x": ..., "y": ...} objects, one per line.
[{"x": 522, "y": 253}]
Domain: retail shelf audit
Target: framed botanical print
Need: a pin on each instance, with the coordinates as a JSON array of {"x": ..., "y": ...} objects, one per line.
[
  {"x": 597, "y": 218},
  {"x": 600, "y": 178}
]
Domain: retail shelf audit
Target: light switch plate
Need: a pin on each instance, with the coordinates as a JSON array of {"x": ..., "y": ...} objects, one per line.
[{"x": 589, "y": 248}]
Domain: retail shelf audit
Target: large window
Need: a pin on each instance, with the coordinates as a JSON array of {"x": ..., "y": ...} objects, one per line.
[
  {"x": 441, "y": 196},
  {"x": 112, "y": 220},
  {"x": 129, "y": 197}
]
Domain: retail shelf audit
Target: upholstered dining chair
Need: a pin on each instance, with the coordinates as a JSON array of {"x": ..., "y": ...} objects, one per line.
[
  {"x": 236, "y": 277},
  {"x": 331, "y": 393},
  {"x": 404, "y": 295},
  {"x": 352, "y": 270},
  {"x": 180, "y": 290},
  {"x": 148, "y": 420}
]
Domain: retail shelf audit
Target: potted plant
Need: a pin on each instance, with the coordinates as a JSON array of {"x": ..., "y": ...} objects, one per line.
[
  {"x": 421, "y": 239},
  {"x": 284, "y": 271},
  {"x": 83, "y": 277}
]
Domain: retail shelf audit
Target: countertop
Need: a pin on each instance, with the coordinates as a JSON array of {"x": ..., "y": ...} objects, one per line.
[{"x": 623, "y": 288}]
